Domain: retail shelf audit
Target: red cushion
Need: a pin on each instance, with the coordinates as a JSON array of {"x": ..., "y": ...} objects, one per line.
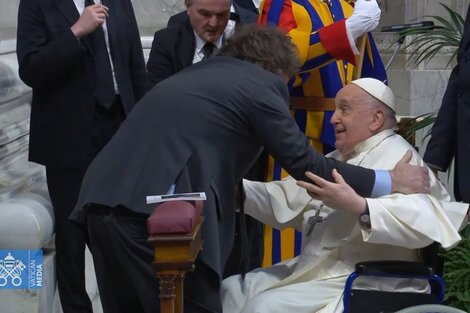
[{"x": 174, "y": 217}]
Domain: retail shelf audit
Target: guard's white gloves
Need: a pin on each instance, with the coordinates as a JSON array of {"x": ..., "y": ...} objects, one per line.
[{"x": 365, "y": 18}]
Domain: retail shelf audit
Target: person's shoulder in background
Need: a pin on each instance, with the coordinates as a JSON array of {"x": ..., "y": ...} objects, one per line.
[
  {"x": 248, "y": 5},
  {"x": 177, "y": 19},
  {"x": 246, "y": 14}
]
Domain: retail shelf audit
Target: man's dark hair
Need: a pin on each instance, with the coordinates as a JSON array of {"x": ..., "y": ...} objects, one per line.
[{"x": 267, "y": 46}]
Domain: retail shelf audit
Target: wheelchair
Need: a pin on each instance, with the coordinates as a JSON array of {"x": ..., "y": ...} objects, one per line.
[
  {"x": 431, "y": 308},
  {"x": 377, "y": 301}
]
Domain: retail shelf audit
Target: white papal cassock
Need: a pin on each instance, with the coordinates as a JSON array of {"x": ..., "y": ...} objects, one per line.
[{"x": 314, "y": 281}]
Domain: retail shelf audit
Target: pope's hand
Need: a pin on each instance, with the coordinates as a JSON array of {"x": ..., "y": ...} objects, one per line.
[
  {"x": 337, "y": 194},
  {"x": 365, "y": 17}
]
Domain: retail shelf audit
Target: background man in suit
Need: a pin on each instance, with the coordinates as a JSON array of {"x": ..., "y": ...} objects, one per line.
[
  {"x": 449, "y": 136},
  {"x": 81, "y": 93},
  {"x": 183, "y": 42},
  {"x": 179, "y": 46},
  {"x": 208, "y": 128}
]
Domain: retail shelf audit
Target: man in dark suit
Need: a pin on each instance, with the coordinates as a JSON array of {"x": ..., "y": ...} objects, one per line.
[
  {"x": 81, "y": 93},
  {"x": 208, "y": 128},
  {"x": 183, "y": 42},
  {"x": 449, "y": 136},
  {"x": 179, "y": 46}
]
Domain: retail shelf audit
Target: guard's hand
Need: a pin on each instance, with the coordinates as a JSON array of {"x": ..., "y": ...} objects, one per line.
[
  {"x": 365, "y": 17},
  {"x": 407, "y": 178},
  {"x": 337, "y": 195},
  {"x": 93, "y": 16}
]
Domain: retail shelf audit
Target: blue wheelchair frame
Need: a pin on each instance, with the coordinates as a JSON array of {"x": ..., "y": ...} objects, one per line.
[{"x": 395, "y": 269}]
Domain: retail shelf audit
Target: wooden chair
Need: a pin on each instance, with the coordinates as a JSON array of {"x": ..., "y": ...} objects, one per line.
[{"x": 175, "y": 234}]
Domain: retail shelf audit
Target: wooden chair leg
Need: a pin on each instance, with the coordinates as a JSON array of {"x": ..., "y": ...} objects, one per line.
[
  {"x": 179, "y": 284},
  {"x": 167, "y": 292},
  {"x": 174, "y": 255}
]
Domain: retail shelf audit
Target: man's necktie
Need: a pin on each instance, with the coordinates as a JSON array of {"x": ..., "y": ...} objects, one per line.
[
  {"x": 208, "y": 50},
  {"x": 104, "y": 85}
]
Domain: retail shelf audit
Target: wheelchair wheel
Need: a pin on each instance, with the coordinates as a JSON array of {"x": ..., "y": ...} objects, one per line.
[{"x": 430, "y": 308}]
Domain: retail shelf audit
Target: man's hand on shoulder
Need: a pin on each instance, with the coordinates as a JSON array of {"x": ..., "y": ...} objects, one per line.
[{"x": 407, "y": 178}]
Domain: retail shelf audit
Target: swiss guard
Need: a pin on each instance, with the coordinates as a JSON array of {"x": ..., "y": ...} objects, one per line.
[{"x": 329, "y": 35}]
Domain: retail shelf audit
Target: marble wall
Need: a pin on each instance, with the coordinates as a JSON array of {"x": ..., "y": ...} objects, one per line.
[
  {"x": 419, "y": 89},
  {"x": 153, "y": 14},
  {"x": 8, "y": 12}
]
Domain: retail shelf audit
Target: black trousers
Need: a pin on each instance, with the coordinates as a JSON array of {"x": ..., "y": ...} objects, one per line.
[
  {"x": 123, "y": 258},
  {"x": 64, "y": 187},
  {"x": 254, "y": 230}
]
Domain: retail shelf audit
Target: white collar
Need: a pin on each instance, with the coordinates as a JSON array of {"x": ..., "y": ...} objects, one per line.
[
  {"x": 365, "y": 145},
  {"x": 371, "y": 142}
]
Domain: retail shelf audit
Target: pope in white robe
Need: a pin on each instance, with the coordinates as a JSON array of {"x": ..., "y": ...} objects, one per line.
[{"x": 399, "y": 224}]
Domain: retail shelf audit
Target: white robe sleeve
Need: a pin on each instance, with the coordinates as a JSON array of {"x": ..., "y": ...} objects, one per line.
[
  {"x": 414, "y": 221},
  {"x": 279, "y": 204}
]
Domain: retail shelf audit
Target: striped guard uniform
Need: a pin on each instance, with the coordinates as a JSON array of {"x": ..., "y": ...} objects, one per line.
[{"x": 318, "y": 29}]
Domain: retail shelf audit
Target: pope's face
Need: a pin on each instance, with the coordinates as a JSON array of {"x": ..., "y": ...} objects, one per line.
[
  {"x": 209, "y": 17},
  {"x": 351, "y": 118}
]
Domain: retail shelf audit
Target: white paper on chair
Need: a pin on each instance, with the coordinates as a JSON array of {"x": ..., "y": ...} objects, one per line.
[{"x": 176, "y": 196}]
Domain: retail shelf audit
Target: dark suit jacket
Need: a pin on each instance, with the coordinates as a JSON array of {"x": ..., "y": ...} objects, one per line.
[
  {"x": 450, "y": 133},
  {"x": 204, "y": 134},
  {"x": 245, "y": 4},
  {"x": 59, "y": 68},
  {"x": 173, "y": 47},
  {"x": 172, "y": 50}
]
